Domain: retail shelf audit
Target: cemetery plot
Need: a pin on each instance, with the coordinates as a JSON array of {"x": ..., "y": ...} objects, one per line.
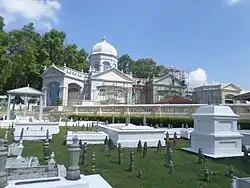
[{"x": 146, "y": 166}]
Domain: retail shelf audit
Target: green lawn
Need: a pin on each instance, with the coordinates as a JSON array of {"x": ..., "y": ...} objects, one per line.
[{"x": 187, "y": 172}]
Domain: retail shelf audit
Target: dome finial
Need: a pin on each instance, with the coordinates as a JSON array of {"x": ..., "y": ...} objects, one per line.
[{"x": 104, "y": 38}]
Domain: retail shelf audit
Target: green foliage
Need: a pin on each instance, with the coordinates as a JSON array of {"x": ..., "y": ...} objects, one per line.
[
  {"x": 138, "y": 120},
  {"x": 24, "y": 53}
]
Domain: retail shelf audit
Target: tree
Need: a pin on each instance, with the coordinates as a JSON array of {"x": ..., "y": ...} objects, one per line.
[
  {"x": 144, "y": 68},
  {"x": 125, "y": 63}
]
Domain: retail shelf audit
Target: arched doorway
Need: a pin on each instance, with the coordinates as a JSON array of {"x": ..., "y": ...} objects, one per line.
[
  {"x": 53, "y": 94},
  {"x": 74, "y": 94}
]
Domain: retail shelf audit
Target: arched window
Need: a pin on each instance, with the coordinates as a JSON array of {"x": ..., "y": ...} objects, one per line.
[
  {"x": 97, "y": 66},
  {"x": 106, "y": 65}
]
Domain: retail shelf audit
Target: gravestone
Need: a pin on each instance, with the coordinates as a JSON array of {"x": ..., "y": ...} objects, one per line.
[
  {"x": 46, "y": 149},
  {"x": 145, "y": 149},
  {"x": 131, "y": 161},
  {"x": 73, "y": 171},
  {"x": 85, "y": 153},
  {"x": 139, "y": 146},
  {"x": 81, "y": 152},
  {"x": 120, "y": 155},
  {"x": 93, "y": 163},
  {"x": 106, "y": 144},
  {"x": 159, "y": 146},
  {"x": 175, "y": 138}
]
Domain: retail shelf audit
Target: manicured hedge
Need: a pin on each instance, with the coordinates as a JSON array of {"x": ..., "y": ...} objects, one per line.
[{"x": 137, "y": 120}]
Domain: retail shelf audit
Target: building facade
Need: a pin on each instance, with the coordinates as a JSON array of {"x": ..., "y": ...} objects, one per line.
[
  {"x": 216, "y": 94},
  {"x": 104, "y": 83}
]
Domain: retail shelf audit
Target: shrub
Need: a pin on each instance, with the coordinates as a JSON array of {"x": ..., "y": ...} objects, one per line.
[{"x": 138, "y": 120}]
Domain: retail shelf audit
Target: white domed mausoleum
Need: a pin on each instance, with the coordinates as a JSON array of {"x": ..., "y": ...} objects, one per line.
[{"x": 104, "y": 83}]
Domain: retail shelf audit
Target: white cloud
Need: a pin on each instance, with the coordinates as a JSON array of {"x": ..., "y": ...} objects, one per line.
[
  {"x": 37, "y": 11},
  {"x": 233, "y": 2},
  {"x": 197, "y": 77}
]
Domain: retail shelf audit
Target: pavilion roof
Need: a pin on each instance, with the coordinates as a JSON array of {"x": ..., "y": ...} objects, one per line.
[{"x": 25, "y": 91}]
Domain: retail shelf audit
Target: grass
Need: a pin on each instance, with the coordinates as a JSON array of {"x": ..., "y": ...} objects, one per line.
[{"x": 187, "y": 173}]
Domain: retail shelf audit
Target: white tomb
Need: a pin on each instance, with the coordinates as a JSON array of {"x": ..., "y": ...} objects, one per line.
[
  {"x": 129, "y": 135},
  {"x": 185, "y": 133},
  {"x": 89, "y": 181},
  {"x": 90, "y": 137},
  {"x": 215, "y": 132},
  {"x": 35, "y": 130}
]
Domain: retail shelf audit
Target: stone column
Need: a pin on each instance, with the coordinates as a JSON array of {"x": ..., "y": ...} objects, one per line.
[
  {"x": 64, "y": 95},
  {"x": 44, "y": 89},
  {"x": 41, "y": 108},
  {"x": 73, "y": 172},
  {"x": 8, "y": 108},
  {"x": 3, "y": 156}
]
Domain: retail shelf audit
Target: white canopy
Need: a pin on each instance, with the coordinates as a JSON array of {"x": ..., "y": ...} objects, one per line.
[{"x": 25, "y": 91}]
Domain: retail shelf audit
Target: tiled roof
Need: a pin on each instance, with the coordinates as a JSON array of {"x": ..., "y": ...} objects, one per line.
[{"x": 175, "y": 100}]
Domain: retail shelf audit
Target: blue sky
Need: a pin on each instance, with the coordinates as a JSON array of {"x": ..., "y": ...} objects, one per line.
[{"x": 209, "y": 34}]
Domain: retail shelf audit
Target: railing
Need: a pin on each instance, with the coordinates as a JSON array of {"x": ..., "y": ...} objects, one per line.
[
  {"x": 155, "y": 110},
  {"x": 171, "y": 110}
]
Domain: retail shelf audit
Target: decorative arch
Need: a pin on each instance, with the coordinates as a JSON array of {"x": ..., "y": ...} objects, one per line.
[
  {"x": 106, "y": 65},
  {"x": 53, "y": 94},
  {"x": 74, "y": 93}
]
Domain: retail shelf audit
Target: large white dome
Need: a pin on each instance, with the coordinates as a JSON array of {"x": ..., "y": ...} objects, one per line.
[{"x": 104, "y": 47}]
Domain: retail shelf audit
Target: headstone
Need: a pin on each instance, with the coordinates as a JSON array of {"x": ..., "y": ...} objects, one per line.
[
  {"x": 170, "y": 154},
  {"x": 201, "y": 158},
  {"x": 3, "y": 156},
  {"x": 231, "y": 172},
  {"x": 120, "y": 155},
  {"x": 85, "y": 153},
  {"x": 159, "y": 146},
  {"x": 171, "y": 166},
  {"x": 145, "y": 149},
  {"x": 81, "y": 152},
  {"x": 73, "y": 171},
  {"x": 46, "y": 150},
  {"x": 131, "y": 161},
  {"x": 110, "y": 147},
  {"x": 93, "y": 163},
  {"x": 52, "y": 162},
  {"x": 167, "y": 139},
  {"x": 106, "y": 144},
  {"x": 206, "y": 174},
  {"x": 175, "y": 139},
  {"x": 139, "y": 146}
]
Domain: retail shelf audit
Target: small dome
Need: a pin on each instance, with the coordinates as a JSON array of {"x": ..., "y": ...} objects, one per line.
[{"x": 104, "y": 47}]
